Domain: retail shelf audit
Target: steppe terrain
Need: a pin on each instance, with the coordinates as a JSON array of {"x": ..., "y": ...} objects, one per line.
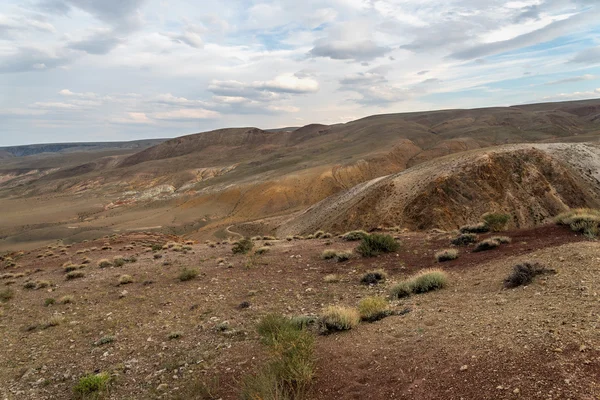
[{"x": 125, "y": 265}]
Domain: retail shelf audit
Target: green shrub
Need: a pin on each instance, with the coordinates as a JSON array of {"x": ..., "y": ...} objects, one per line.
[
  {"x": 584, "y": 220},
  {"x": 104, "y": 340},
  {"x": 375, "y": 244},
  {"x": 401, "y": 290},
  {"x": 373, "y": 308},
  {"x": 261, "y": 250},
  {"x": 477, "y": 228},
  {"x": 338, "y": 318},
  {"x": 125, "y": 279},
  {"x": 157, "y": 247},
  {"x": 29, "y": 285},
  {"x": 428, "y": 280},
  {"x": 66, "y": 299},
  {"x": 242, "y": 246},
  {"x": 71, "y": 267},
  {"x": 496, "y": 221},
  {"x": 104, "y": 263},
  {"x": 187, "y": 274},
  {"x": 464, "y": 238},
  {"x": 354, "y": 235},
  {"x": 49, "y": 301},
  {"x": 6, "y": 295},
  {"x": 118, "y": 261},
  {"x": 446, "y": 255},
  {"x": 92, "y": 386},
  {"x": 487, "y": 244}
]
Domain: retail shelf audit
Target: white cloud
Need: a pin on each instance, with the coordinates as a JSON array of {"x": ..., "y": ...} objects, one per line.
[{"x": 186, "y": 113}]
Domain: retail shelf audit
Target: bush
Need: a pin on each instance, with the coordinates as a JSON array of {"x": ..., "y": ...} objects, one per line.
[
  {"x": 374, "y": 277},
  {"x": 104, "y": 340},
  {"x": 446, "y": 255},
  {"x": 242, "y": 246},
  {"x": 49, "y": 301},
  {"x": 125, "y": 279},
  {"x": 6, "y": 295},
  {"x": 331, "y": 278},
  {"x": 157, "y": 247},
  {"x": 29, "y": 285},
  {"x": 187, "y": 274},
  {"x": 584, "y": 220},
  {"x": 464, "y": 239},
  {"x": 401, "y": 290},
  {"x": 487, "y": 244},
  {"x": 74, "y": 275},
  {"x": 496, "y": 221},
  {"x": 523, "y": 274},
  {"x": 104, "y": 263},
  {"x": 335, "y": 254},
  {"x": 42, "y": 284},
  {"x": 71, "y": 267},
  {"x": 428, "y": 280},
  {"x": 261, "y": 250},
  {"x": 373, "y": 309},
  {"x": 501, "y": 239},
  {"x": 338, "y": 318},
  {"x": 375, "y": 244},
  {"x": 477, "y": 228},
  {"x": 343, "y": 256},
  {"x": 318, "y": 234},
  {"x": 91, "y": 385},
  {"x": 354, "y": 235},
  {"x": 66, "y": 299},
  {"x": 118, "y": 261}
]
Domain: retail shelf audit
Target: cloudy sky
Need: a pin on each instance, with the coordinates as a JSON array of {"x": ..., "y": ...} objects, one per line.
[{"x": 91, "y": 70}]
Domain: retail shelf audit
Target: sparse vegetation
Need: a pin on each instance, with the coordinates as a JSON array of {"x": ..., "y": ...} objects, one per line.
[
  {"x": 476, "y": 228},
  {"x": 42, "y": 284},
  {"x": 92, "y": 386},
  {"x": 104, "y": 263},
  {"x": 261, "y": 250},
  {"x": 291, "y": 369},
  {"x": 6, "y": 295},
  {"x": 373, "y": 308},
  {"x": 55, "y": 320},
  {"x": 104, "y": 340},
  {"x": 446, "y": 255},
  {"x": 70, "y": 267},
  {"x": 175, "y": 335},
  {"x": 422, "y": 282},
  {"x": 49, "y": 301},
  {"x": 496, "y": 222},
  {"x": 67, "y": 299},
  {"x": 502, "y": 239},
  {"x": 74, "y": 275},
  {"x": 401, "y": 290},
  {"x": 584, "y": 220},
  {"x": 331, "y": 278},
  {"x": 118, "y": 261},
  {"x": 338, "y": 318},
  {"x": 464, "y": 239},
  {"x": 242, "y": 246},
  {"x": 375, "y": 244},
  {"x": 374, "y": 277},
  {"x": 125, "y": 279},
  {"x": 354, "y": 235},
  {"x": 487, "y": 244},
  {"x": 188, "y": 274},
  {"x": 523, "y": 274},
  {"x": 29, "y": 285}
]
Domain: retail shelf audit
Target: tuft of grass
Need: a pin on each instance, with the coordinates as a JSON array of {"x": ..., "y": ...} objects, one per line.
[
  {"x": 67, "y": 299},
  {"x": 74, "y": 275},
  {"x": 428, "y": 280},
  {"x": 446, "y": 255},
  {"x": 464, "y": 239},
  {"x": 242, "y": 246},
  {"x": 125, "y": 279},
  {"x": 331, "y": 278},
  {"x": 42, "y": 284},
  {"x": 55, "y": 320},
  {"x": 118, "y": 261},
  {"x": 175, "y": 335},
  {"x": 328, "y": 254},
  {"x": 373, "y": 308},
  {"x": 374, "y": 277},
  {"x": 338, "y": 318},
  {"x": 401, "y": 290},
  {"x": 523, "y": 274},
  {"x": 49, "y": 301},
  {"x": 92, "y": 386},
  {"x": 104, "y": 263},
  {"x": 584, "y": 220},
  {"x": 70, "y": 267},
  {"x": 375, "y": 244},
  {"x": 318, "y": 234},
  {"x": 476, "y": 228},
  {"x": 104, "y": 340},
  {"x": 187, "y": 274},
  {"x": 29, "y": 285},
  {"x": 354, "y": 235},
  {"x": 6, "y": 295},
  {"x": 291, "y": 368},
  {"x": 262, "y": 250},
  {"x": 501, "y": 239},
  {"x": 487, "y": 244},
  {"x": 496, "y": 221},
  {"x": 157, "y": 247}
]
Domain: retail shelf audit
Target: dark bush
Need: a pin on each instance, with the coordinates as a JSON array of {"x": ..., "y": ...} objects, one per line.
[
  {"x": 487, "y": 244},
  {"x": 374, "y": 277},
  {"x": 375, "y": 244},
  {"x": 523, "y": 274},
  {"x": 242, "y": 246},
  {"x": 477, "y": 228},
  {"x": 464, "y": 239}
]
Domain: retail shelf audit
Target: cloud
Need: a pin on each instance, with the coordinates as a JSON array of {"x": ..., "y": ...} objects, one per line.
[
  {"x": 289, "y": 83},
  {"x": 365, "y": 50},
  {"x": 362, "y": 78},
  {"x": 32, "y": 59},
  {"x": 190, "y": 36},
  {"x": 573, "y": 96},
  {"x": 186, "y": 113},
  {"x": 588, "y": 56},
  {"x": 134, "y": 118},
  {"x": 101, "y": 42},
  {"x": 586, "y": 77}
]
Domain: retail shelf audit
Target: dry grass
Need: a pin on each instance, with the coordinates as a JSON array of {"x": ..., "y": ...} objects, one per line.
[
  {"x": 422, "y": 282},
  {"x": 262, "y": 250},
  {"x": 104, "y": 263},
  {"x": 74, "y": 275},
  {"x": 125, "y": 279},
  {"x": 446, "y": 255},
  {"x": 67, "y": 299},
  {"x": 339, "y": 318},
  {"x": 464, "y": 239},
  {"x": 375, "y": 244},
  {"x": 354, "y": 235},
  {"x": 373, "y": 308},
  {"x": 6, "y": 295},
  {"x": 187, "y": 274},
  {"x": 487, "y": 244},
  {"x": 92, "y": 386},
  {"x": 374, "y": 277},
  {"x": 331, "y": 278},
  {"x": 584, "y": 220}
]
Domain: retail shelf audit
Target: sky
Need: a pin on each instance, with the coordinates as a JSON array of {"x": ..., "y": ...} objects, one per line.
[{"x": 114, "y": 70}]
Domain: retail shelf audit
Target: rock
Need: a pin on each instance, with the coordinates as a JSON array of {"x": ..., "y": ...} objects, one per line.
[
  {"x": 464, "y": 367},
  {"x": 517, "y": 391},
  {"x": 162, "y": 387}
]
